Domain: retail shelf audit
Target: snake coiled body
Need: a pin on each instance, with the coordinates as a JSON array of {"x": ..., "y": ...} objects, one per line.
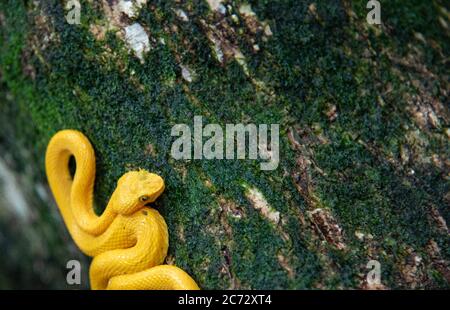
[{"x": 129, "y": 241}]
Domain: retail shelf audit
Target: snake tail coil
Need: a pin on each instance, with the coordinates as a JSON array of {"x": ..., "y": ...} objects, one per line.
[{"x": 129, "y": 241}]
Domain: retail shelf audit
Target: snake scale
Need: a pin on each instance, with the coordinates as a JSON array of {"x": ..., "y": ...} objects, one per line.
[{"x": 129, "y": 241}]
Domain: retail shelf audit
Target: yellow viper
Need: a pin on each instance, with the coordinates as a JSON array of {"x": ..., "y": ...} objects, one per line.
[{"x": 129, "y": 241}]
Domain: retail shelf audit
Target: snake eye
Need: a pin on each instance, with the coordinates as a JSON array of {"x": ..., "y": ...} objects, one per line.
[{"x": 143, "y": 198}]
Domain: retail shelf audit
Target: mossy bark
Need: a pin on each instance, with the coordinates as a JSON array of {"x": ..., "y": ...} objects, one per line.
[{"x": 364, "y": 136}]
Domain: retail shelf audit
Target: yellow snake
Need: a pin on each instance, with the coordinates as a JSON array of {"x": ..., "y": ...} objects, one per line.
[{"x": 129, "y": 241}]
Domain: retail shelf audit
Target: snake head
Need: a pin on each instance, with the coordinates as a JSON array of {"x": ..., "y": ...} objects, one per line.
[{"x": 136, "y": 189}]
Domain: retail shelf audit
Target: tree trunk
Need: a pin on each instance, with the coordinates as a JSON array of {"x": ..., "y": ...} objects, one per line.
[{"x": 363, "y": 113}]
